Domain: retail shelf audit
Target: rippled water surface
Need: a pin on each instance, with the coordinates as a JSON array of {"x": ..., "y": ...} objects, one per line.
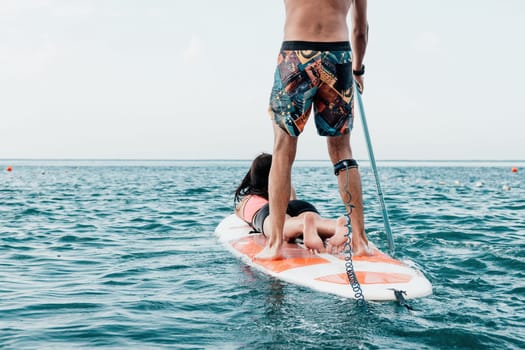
[{"x": 122, "y": 254}]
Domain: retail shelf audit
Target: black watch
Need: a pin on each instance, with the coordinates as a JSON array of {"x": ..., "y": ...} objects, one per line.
[{"x": 360, "y": 71}]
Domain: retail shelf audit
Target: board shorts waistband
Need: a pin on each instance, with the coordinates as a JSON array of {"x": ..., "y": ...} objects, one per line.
[{"x": 316, "y": 46}]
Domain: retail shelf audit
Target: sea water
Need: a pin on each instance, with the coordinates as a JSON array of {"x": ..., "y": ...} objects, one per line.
[{"x": 122, "y": 254}]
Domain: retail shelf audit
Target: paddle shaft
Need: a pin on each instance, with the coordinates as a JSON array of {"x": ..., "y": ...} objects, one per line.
[{"x": 386, "y": 220}]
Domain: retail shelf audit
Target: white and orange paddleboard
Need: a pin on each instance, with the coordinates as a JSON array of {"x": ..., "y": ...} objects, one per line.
[{"x": 379, "y": 274}]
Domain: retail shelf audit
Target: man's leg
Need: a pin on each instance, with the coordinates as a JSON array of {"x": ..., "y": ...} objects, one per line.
[
  {"x": 339, "y": 149},
  {"x": 279, "y": 189}
]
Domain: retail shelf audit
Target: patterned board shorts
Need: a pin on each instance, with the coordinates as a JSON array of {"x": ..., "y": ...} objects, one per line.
[{"x": 313, "y": 73}]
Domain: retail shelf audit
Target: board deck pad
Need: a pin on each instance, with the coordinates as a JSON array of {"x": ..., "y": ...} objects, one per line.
[{"x": 379, "y": 274}]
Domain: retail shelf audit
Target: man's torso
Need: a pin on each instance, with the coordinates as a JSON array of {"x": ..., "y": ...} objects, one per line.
[{"x": 316, "y": 20}]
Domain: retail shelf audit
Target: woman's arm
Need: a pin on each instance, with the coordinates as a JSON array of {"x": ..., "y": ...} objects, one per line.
[{"x": 239, "y": 208}]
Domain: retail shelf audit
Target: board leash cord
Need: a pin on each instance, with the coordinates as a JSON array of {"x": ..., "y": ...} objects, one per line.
[{"x": 349, "y": 264}]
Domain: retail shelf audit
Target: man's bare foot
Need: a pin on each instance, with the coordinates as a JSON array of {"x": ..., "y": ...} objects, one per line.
[
  {"x": 311, "y": 238},
  {"x": 270, "y": 253},
  {"x": 362, "y": 249},
  {"x": 336, "y": 243}
]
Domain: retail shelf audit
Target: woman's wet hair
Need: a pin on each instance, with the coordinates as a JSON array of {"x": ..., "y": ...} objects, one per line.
[{"x": 256, "y": 179}]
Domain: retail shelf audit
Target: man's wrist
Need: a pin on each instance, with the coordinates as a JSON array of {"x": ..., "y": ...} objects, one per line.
[{"x": 360, "y": 71}]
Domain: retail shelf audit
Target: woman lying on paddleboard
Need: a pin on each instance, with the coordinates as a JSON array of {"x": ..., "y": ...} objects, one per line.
[{"x": 302, "y": 218}]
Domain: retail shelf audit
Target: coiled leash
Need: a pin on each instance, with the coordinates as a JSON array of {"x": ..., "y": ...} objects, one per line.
[{"x": 347, "y": 164}]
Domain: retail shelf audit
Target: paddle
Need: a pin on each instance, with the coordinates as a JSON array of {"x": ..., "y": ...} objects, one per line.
[{"x": 386, "y": 221}]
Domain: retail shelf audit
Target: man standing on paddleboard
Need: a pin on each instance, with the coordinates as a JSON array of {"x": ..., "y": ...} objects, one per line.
[{"x": 317, "y": 67}]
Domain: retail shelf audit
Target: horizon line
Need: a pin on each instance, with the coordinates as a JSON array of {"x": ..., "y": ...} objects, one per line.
[{"x": 249, "y": 159}]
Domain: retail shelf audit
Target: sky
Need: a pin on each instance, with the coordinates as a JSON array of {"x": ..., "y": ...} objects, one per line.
[{"x": 130, "y": 79}]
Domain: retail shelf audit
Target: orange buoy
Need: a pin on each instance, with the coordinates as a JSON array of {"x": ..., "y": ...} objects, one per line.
[
  {"x": 514, "y": 170},
  {"x": 9, "y": 168}
]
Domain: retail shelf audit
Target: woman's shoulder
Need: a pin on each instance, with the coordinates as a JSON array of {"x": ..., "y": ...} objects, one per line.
[
  {"x": 241, "y": 201},
  {"x": 239, "y": 206}
]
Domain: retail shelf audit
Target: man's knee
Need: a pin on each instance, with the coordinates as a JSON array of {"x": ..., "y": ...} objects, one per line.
[{"x": 284, "y": 143}]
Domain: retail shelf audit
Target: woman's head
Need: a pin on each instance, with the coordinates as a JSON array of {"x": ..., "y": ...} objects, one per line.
[{"x": 256, "y": 179}]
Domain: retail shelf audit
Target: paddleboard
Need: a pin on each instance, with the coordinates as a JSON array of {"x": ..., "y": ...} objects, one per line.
[{"x": 379, "y": 274}]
